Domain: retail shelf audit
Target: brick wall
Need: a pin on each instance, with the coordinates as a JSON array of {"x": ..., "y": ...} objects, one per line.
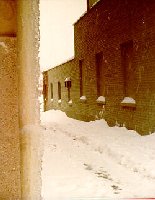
[{"x": 107, "y": 26}]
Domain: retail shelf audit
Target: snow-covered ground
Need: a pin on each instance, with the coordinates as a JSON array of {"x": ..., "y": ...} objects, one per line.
[{"x": 91, "y": 160}]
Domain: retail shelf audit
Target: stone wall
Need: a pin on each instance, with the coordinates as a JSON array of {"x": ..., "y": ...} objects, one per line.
[{"x": 105, "y": 28}]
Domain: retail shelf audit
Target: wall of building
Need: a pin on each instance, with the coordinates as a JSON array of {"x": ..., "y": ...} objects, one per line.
[
  {"x": 92, "y": 2},
  {"x": 79, "y": 109},
  {"x": 9, "y": 129},
  {"x": 8, "y": 18},
  {"x": 20, "y": 143},
  {"x": 107, "y": 26}
]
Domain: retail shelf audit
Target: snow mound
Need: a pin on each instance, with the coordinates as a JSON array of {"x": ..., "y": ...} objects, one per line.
[
  {"x": 128, "y": 100},
  {"x": 90, "y": 155}
]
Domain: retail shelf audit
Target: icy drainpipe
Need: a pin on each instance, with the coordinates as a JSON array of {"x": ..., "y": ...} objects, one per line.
[{"x": 28, "y": 74}]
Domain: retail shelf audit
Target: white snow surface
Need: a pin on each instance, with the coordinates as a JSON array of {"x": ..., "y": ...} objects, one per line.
[
  {"x": 128, "y": 100},
  {"x": 83, "y": 98},
  {"x": 101, "y": 99},
  {"x": 59, "y": 101},
  {"x": 68, "y": 79},
  {"x": 70, "y": 102},
  {"x": 91, "y": 160}
]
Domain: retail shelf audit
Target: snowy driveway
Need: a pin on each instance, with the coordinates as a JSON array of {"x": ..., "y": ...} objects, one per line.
[{"x": 90, "y": 160}]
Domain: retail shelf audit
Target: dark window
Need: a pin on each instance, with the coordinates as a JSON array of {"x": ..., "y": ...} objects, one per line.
[
  {"x": 81, "y": 77},
  {"x": 69, "y": 96},
  {"x": 127, "y": 59},
  {"x": 59, "y": 90},
  {"x": 51, "y": 90},
  {"x": 99, "y": 74}
]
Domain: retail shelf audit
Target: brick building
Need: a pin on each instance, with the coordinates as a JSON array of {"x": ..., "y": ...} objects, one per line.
[{"x": 112, "y": 75}]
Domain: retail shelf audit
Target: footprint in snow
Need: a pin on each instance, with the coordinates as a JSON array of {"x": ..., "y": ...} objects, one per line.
[
  {"x": 116, "y": 188},
  {"x": 103, "y": 174},
  {"x": 87, "y": 166}
]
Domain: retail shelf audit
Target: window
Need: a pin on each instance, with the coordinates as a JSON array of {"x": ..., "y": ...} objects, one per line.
[
  {"x": 45, "y": 86},
  {"x": 81, "y": 77},
  {"x": 100, "y": 80},
  {"x": 69, "y": 96},
  {"x": 51, "y": 90},
  {"x": 127, "y": 61},
  {"x": 59, "y": 90}
]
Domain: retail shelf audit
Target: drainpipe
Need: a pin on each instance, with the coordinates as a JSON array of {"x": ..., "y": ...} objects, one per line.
[{"x": 87, "y": 5}]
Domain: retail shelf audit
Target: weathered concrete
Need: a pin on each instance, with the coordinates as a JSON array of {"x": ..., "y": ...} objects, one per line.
[
  {"x": 20, "y": 152},
  {"x": 28, "y": 73}
]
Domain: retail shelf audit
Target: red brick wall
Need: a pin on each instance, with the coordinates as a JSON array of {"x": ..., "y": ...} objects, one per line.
[{"x": 103, "y": 29}]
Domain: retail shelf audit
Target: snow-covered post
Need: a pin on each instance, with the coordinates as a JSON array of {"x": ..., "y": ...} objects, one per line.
[{"x": 28, "y": 75}]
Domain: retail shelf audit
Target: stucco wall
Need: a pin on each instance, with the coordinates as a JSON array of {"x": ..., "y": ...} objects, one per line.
[
  {"x": 9, "y": 129},
  {"x": 20, "y": 143}
]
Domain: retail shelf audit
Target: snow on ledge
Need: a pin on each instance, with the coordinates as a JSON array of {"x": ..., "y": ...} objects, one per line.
[
  {"x": 70, "y": 102},
  {"x": 83, "y": 98},
  {"x": 68, "y": 79},
  {"x": 101, "y": 99},
  {"x": 128, "y": 101},
  {"x": 59, "y": 101}
]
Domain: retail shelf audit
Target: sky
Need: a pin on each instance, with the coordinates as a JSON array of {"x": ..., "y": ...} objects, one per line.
[{"x": 56, "y": 30}]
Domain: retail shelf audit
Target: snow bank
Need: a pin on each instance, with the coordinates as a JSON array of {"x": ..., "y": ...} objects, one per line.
[
  {"x": 124, "y": 146},
  {"x": 122, "y": 160}
]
